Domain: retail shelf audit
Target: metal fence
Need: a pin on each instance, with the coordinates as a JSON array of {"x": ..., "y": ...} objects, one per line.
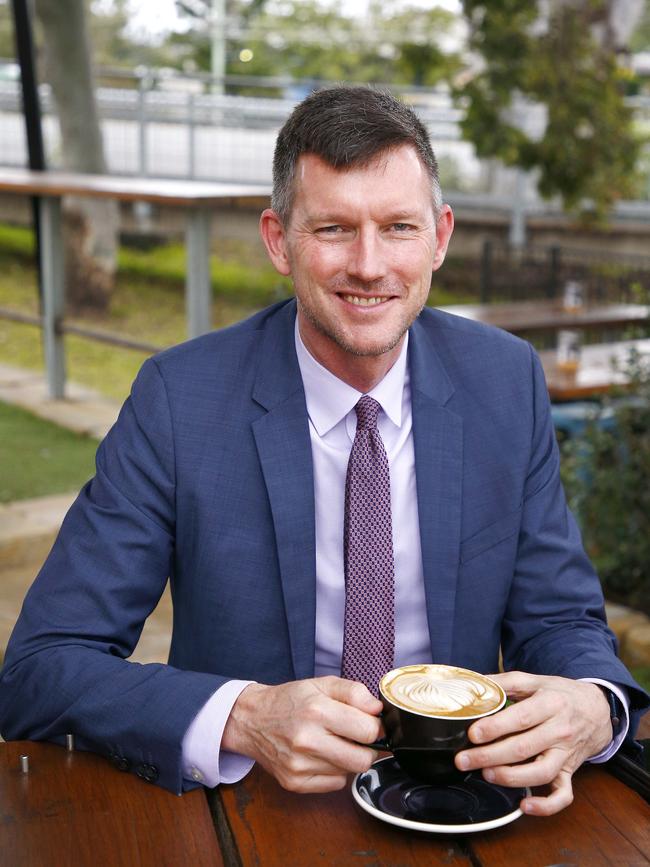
[
  {"x": 161, "y": 123},
  {"x": 538, "y": 271},
  {"x": 173, "y": 126}
]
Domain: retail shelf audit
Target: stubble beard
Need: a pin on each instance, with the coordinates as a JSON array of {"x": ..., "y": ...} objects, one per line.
[{"x": 340, "y": 339}]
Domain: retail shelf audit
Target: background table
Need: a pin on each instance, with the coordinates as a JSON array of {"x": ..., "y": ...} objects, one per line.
[
  {"x": 549, "y": 315},
  {"x": 198, "y": 198},
  {"x": 595, "y": 375}
]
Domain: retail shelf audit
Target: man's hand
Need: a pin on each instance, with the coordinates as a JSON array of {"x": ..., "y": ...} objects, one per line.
[
  {"x": 554, "y": 725},
  {"x": 306, "y": 733}
]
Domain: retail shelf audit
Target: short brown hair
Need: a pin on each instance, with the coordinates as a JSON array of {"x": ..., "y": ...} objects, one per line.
[{"x": 346, "y": 127}]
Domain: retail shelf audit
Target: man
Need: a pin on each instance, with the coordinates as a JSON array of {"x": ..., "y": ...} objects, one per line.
[{"x": 227, "y": 472}]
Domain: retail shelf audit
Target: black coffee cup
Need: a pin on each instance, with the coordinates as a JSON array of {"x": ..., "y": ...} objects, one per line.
[{"x": 425, "y": 739}]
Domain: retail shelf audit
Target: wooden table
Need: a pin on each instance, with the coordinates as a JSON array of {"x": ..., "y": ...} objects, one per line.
[
  {"x": 596, "y": 374},
  {"x": 260, "y": 823},
  {"x": 50, "y": 187},
  {"x": 74, "y": 809},
  {"x": 522, "y": 317}
]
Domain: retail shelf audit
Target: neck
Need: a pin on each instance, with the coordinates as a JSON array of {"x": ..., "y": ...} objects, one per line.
[{"x": 362, "y": 372}]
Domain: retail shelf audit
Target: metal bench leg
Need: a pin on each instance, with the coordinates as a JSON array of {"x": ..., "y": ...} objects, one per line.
[
  {"x": 53, "y": 295},
  {"x": 198, "y": 295}
]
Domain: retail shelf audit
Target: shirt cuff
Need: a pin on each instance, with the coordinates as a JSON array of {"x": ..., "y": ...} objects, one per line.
[
  {"x": 619, "y": 737},
  {"x": 202, "y": 758}
]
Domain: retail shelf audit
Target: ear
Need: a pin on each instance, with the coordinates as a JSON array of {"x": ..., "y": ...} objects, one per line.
[
  {"x": 444, "y": 228},
  {"x": 273, "y": 234}
]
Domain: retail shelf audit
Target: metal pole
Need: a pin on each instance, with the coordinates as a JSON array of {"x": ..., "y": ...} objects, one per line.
[
  {"x": 53, "y": 296},
  {"x": 486, "y": 271},
  {"x": 218, "y": 45},
  {"x": 191, "y": 129},
  {"x": 518, "y": 213},
  {"x": 142, "y": 123},
  {"x": 198, "y": 295},
  {"x": 554, "y": 271},
  {"x": 32, "y": 113}
]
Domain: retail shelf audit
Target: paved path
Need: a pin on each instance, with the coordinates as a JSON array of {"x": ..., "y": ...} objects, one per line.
[{"x": 83, "y": 411}]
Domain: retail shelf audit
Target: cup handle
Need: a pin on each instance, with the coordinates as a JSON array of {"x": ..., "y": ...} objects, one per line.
[{"x": 379, "y": 744}]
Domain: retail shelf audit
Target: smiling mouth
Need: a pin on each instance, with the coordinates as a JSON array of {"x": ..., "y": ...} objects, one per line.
[{"x": 365, "y": 300}]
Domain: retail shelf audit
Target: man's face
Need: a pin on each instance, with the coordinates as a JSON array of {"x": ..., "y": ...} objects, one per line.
[{"x": 360, "y": 245}]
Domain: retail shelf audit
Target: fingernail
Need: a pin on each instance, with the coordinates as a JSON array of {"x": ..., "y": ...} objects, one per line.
[
  {"x": 527, "y": 808},
  {"x": 489, "y": 775},
  {"x": 477, "y": 733},
  {"x": 463, "y": 761}
]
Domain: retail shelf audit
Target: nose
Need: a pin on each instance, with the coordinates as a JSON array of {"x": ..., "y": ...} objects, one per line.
[{"x": 366, "y": 257}]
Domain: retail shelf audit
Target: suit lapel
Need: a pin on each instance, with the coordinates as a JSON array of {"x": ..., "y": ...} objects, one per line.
[
  {"x": 438, "y": 444},
  {"x": 284, "y": 449}
]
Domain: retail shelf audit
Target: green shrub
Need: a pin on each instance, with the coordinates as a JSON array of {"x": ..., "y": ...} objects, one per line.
[{"x": 606, "y": 472}]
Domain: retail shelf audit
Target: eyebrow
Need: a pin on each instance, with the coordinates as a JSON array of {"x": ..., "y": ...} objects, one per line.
[{"x": 392, "y": 217}]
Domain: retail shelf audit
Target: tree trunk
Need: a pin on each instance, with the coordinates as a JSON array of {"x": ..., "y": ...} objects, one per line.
[{"x": 90, "y": 225}]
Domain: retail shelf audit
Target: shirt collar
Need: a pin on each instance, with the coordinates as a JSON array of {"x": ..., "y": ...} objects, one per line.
[{"x": 329, "y": 399}]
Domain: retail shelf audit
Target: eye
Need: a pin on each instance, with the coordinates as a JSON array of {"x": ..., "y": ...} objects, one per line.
[
  {"x": 402, "y": 227},
  {"x": 329, "y": 230}
]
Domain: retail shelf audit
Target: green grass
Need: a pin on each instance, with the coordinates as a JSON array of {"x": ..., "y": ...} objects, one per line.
[
  {"x": 150, "y": 310},
  {"x": 40, "y": 458}
]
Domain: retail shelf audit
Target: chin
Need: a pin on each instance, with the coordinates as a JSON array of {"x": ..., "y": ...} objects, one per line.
[{"x": 370, "y": 348}]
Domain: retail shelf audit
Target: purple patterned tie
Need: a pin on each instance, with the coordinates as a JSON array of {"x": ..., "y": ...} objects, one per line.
[{"x": 369, "y": 632}]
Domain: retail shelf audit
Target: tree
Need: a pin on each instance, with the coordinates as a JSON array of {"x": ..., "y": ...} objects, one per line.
[
  {"x": 640, "y": 40},
  {"x": 313, "y": 40},
  {"x": 112, "y": 43},
  {"x": 91, "y": 225},
  {"x": 6, "y": 31},
  {"x": 559, "y": 68}
]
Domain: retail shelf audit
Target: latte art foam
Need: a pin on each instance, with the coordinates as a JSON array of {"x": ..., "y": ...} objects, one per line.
[{"x": 441, "y": 690}]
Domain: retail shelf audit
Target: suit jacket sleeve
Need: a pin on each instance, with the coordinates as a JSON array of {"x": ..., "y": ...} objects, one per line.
[
  {"x": 555, "y": 621},
  {"x": 66, "y": 668}
]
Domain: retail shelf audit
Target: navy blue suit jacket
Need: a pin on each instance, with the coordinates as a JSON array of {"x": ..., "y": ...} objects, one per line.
[{"x": 207, "y": 478}]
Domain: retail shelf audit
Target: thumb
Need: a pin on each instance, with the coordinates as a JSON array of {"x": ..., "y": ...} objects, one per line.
[{"x": 518, "y": 684}]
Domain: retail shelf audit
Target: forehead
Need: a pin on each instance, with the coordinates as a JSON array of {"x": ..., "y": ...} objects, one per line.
[{"x": 394, "y": 179}]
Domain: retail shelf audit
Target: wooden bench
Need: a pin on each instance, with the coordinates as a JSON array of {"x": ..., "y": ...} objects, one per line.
[{"x": 196, "y": 198}]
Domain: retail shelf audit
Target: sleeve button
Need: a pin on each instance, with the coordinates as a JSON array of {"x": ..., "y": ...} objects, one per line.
[
  {"x": 122, "y": 763},
  {"x": 147, "y": 772}
]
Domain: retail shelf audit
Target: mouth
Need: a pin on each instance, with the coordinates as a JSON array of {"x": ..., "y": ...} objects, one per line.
[{"x": 365, "y": 300}]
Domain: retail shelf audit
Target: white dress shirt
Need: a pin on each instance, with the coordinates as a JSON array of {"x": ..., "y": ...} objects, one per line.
[{"x": 332, "y": 426}]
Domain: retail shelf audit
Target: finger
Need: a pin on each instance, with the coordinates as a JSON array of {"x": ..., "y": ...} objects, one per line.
[
  {"x": 524, "y": 715},
  {"x": 350, "y": 692},
  {"x": 313, "y": 784},
  {"x": 344, "y": 755},
  {"x": 326, "y": 754},
  {"x": 539, "y": 772},
  {"x": 561, "y": 796},
  {"x": 511, "y": 750},
  {"x": 342, "y": 719},
  {"x": 519, "y": 684}
]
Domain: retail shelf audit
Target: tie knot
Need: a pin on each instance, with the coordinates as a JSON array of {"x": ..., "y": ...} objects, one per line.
[{"x": 367, "y": 410}]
